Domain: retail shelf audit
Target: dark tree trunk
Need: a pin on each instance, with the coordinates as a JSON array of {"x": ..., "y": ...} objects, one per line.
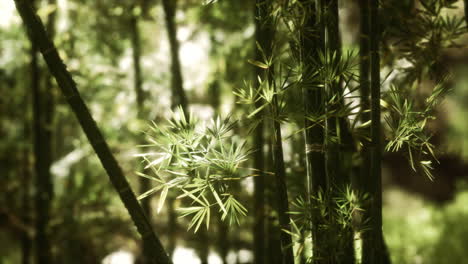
[
  {"x": 282, "y": 202},
  {"x": 263, "y": 37},
  {"x": 42, "y": 159},
  {"x": 138, "y": 87},
  {"x": 178, "y": 93},
  {"x": 223, "y": 240},
  {"x": 282, "y": 192},
  {"x": 339, "y": 143},
  {"x": 273, "y": 242},
  {"x": 312, "y": 39},
  {"x": 179, "y": 97},
  {"x": 373, "y": 250},
  {"x": 172, "y": 225},
  {"x": 26, "y": 242},
  {"x": 364, "y": 81},
  {"x": 68, "y": 87}
]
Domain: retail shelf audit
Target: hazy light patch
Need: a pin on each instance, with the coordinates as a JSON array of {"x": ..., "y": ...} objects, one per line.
[
  {"x": 249, "y": 31},
  {"x": 183, "y": 34},
  {"x": 355, "y": 101},
  {"x": 126, "y": 62},
  {"x": 231, "y": 257},
  {"x": 195, "y": 59},
  {"x": 123, "y": 101},
  {"x": 248, "y": 185},
  {"x": 203, "y": 112},
  {"x": 245, "y": 256},
  {"x": 214, "y": 258},
  {"x": 119, "y": 257},
  {"x": 61, "y": 168},
  {"x": 63, "y": 23},
  {"x": 185, "y": 256},
  {"x": 8, "y": 14}
]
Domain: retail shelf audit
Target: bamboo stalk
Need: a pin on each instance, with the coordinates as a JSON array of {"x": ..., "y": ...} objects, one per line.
[
  {"x": 282, "y": 202},
  {"x": 68, "y": 87},
  {"x": 263, "y": 36},
  {"x": 373, "y": 250},
  {"x": 314, "y": 133},
  {"x": 178, "y": 93}
]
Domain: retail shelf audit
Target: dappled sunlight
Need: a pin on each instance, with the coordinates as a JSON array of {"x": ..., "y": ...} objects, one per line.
[{"x": 233, "y": 132}]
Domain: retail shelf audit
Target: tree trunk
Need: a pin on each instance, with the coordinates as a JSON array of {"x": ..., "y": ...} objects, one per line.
[
  {"x": 282, "y": 203},
  {"x": 312, "y": 38},
  {"x": 42, "y": 159},
  {"x": 68, "y": 87},
  {"x": 273, "y": 242},
  {"x": 179, "y": 97},
  {"x": 178, "y": 93},
  {"x": 26, "y": 242},
  {"x": 139, "y": 94},
  {"x": 373, "y": 250},
  {"x": 263, "y": 36},
  {"x": 339, "y": 143}
]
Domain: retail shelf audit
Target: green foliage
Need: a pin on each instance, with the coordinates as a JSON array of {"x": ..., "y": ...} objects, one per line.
[
  {"x": 347, "y": 213},
  {"x": 418, "y": 231},
  {"x": 418, "y": 42},
  {"x": 200, "y": 163}
]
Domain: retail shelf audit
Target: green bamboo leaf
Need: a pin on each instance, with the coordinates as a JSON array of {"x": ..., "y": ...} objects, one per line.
[
  {"x": 257, "y": 110},
  {"x": 162, "y": 198},
  {"x": 150, "y": 192},
  {"x": 258, "y": 64},
  {"x": 149, "y": 177},
  {"x": 218, "y": 200},
  {"x": 194, "y": 198}
]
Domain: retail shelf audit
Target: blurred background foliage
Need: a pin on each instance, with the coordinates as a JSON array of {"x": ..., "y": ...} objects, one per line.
[{"x": 424, "y": 221}]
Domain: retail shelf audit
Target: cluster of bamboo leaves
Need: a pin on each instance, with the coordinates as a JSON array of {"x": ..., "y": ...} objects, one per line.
[
  {"x": 347, "y": 214},
  {"x": 431, "y": 31},
  {"x": 200, "y": 162},
  {"x": 419, "y": 41}
]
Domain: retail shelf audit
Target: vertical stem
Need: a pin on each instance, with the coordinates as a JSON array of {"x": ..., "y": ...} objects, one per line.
[
  {"x": 339, "y": 140},
  {"x": 68, "y": 87},
  {"x": 263, "y": 36},
  {"x": 138, "y": 87},
  {"x": 42, "y": 161},
  {"x": 312, "y": 43},
  {"x": 273, "y": 246},
  {"x": 364, "y": 81},
  {"x": 178, "y": 93},
  {"x": 372, "y": 245},
  {"x": 26, "y": 243},
  {"x": 364, "y": 77},
  {"x": 266, "y": 37},
  {"x": 282, "y": 192}
]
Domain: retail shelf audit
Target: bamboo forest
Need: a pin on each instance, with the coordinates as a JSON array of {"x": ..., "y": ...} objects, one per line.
[{"x": 233, "y": 131}]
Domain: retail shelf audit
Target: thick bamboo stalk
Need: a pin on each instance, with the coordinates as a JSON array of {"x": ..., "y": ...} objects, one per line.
[
  {"x": 263, "y": 36},
  {"x": 68, "y": 87},
  {"x": 373, "y": 251},
  {"x": 339, "y": 142},
  {"x": 42, "y": 161},
  {"x": 312, "y": 41},
  {"x": 281, "y": 189},
  {"x": 282, "y": 203}
]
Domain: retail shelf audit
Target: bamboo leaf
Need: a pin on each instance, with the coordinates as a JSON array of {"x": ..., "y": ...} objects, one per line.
[
  {"x": 162, "y": 198},
  {"x": 258, "y": 64}
]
